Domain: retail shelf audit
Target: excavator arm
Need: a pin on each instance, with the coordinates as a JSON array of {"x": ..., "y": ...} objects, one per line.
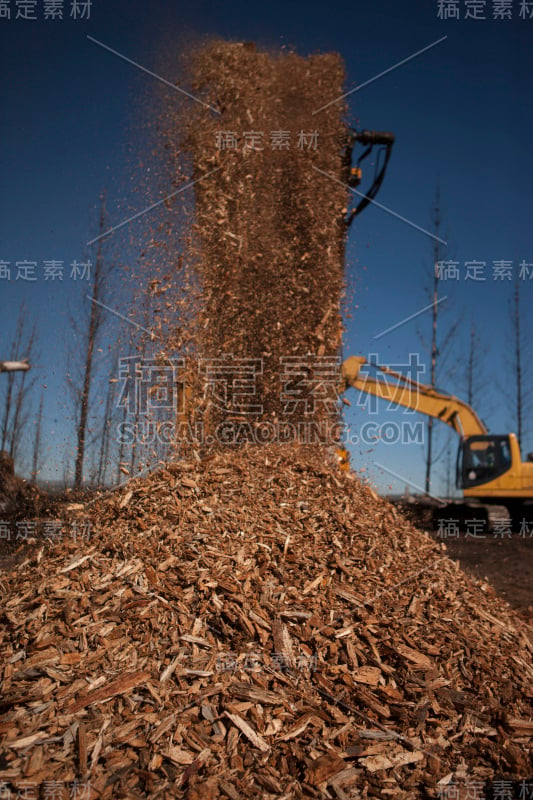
[
  {"x": 489, "y": 467},
  {"x": 409, "y": 393}
]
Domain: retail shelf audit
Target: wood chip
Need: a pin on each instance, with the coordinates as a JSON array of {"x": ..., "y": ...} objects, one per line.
[
  {"x": 248, "y": 731},
  {"x": 120, "y": 686}
]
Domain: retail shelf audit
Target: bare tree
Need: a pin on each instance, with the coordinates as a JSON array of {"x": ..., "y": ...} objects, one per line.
[
  {"x": 35, "y": 469},
  {"x": 10, "y": 380},
  {"x": 84, "y": 398},
  {"x": 142, "y": 345},
  {"x": 103, "y": 457},
  {"x": 82, "y": 390},
  {"x": 449, "y": 469},
  {"x": 442, "y": 335},
  {"x": 126, "y": 459},
  {"x": 519, "y": 377},
  {"x": 520, "y": 367},
  {"x": 110, "y": 417},
  {"x": 21, "y": 407},
  {"x": 476, "y": 382},
  {"x": 470, "y": 366},
  {"x": 18, "y": 388},
  {"x": 121, "y": 447},
  {"x": 434, "y": 317}
]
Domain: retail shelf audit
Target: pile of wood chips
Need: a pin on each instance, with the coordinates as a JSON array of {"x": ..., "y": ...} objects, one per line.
[
  {"x": 256, "y": 625},
  {"x": 18, "y": 498}
]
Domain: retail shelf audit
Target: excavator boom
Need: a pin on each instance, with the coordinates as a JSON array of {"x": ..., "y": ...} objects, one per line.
[{"x": 416, "y": 396}]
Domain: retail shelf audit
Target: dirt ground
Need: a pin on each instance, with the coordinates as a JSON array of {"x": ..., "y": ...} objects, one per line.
[{"x": 506, "y": 564}]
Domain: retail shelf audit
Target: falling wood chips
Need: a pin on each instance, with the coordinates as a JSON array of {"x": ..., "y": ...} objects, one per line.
[
  {"x": 269, "y": 227},
  {"x": 198, "y": 654}
]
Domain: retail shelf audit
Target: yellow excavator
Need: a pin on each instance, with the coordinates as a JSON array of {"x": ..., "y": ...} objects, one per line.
[{"x": 490, "y": 470}]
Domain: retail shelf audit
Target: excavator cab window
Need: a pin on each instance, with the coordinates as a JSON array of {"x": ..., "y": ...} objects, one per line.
[{"x": 482, "y": 459}]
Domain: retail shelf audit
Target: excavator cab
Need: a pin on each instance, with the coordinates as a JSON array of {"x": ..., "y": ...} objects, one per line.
[{"x": 482, "y": 459}]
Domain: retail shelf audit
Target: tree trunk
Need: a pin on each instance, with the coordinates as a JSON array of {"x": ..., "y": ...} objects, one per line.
[
  {"x": 86, "y": 388},
  {"x": 434, "y": 351},
  {"x": 518, "y": 362},
  {"x": 37, "y": 442}
]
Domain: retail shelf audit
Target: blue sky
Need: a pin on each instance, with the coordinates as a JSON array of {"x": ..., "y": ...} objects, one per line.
[{"x": 74, "y": 124}]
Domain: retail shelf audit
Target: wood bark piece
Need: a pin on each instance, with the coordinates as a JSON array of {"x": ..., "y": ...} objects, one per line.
[
  {"x": 388, "y": 761},
  {"x": 248, "y": 731},
  {"x": 324, "y": 767},
  {"x": 123, "y": 684},
  {"x": 82, "y": 749}
]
